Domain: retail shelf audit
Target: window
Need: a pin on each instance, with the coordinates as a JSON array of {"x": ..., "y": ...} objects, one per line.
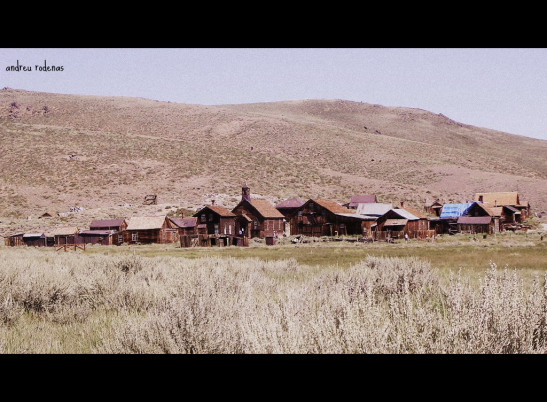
[
  {"x": 134, "y": 236},
  {"x": 120, "y": 239},
  {"x": 203, "y": 218},
  {"x": 255, "y": 223}
]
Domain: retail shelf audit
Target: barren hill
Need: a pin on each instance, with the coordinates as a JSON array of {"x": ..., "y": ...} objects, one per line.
[{"x": 105, "y": 154}]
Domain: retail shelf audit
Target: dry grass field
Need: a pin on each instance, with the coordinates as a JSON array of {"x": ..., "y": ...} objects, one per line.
[
  {"x": 106, "y": 153},
  {"x": 335, "y": 298}
]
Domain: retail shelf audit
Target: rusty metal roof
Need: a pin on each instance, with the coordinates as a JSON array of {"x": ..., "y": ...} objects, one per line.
[
  {"x": 360, "y": 199},
  {"x": 189, "y": 222},
  {"x": 333, "y": 206},
  {"x": 290, "y": 203},
  {"x": 474, "y": 220},
  {"x": 265, "y": 209}
]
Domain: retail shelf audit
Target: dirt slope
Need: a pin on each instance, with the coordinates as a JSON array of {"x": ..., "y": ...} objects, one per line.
[{"x": 105, "y": 154}]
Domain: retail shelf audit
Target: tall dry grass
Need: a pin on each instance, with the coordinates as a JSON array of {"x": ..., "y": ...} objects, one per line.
[{"x": 81, "y": 303}]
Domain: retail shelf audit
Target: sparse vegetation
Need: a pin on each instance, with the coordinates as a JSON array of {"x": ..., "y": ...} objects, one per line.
[{"x": 128, "y": 303}]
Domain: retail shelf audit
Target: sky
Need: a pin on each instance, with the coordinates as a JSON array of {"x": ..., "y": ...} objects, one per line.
[{"x": 503, "y": 89}]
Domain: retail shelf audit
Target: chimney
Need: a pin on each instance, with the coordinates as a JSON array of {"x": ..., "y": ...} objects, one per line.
[
  {"x": 212, "y": 202},
  {"x": 402, "y": 204},
  {"x": 182, "y": 214},
  {"x": 495, "y": 203},
  {"x": 246, "y": 193}
]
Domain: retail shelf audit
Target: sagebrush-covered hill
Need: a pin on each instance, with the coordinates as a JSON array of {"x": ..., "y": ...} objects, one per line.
[{"x": 105, "y": 154}]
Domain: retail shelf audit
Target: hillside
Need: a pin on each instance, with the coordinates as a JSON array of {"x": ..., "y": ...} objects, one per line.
[{"x": 105, "y": 154}]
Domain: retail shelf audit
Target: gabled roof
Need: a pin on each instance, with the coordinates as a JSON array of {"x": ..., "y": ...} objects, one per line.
[
  {"x": 415, "y": 212},
  {"x": 145, "y": 222},
  {"x": 105, "y": 223},
  {"x": 372, "y": 208},
  {"x": 361, "y": 199},
  {"x": 264, "y": 208},
  {"x": 405, "y": 214},
  {"x": 333, "y": 206},
  {"x": 188, "y": 222},
  {"x": 216, "y": 209},
  {"x": 290, "y": 203},
  {"x": 500, "y": 198}
]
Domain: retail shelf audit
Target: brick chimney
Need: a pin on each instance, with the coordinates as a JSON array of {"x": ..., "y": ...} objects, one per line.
[
  {"x": 212, "y": 202},
  {"x": 246, "y": 193},
  {"x": 182, "y": 214},
  {"x": 402, "y": 204}
]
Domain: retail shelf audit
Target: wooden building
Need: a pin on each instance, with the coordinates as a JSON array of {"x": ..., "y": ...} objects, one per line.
[
  {"x": 361, "y": 199},
  {"x": 288, "y": 209},
  {"x": 150, "y": 229},
  {"x": 35, "y": 239},
  {"x": 186, "y": 226},
  {"x": 507, "y": 198},
  {"x": 372, "y": 211},
  {"x": 399, "y": 221},
  {"x": 433, "y": 207},
  {"x": 14, "y": 240},
  {"x": 218, "y": 220},
  {"x": 64, "y": 235},
  {"x": 320, "y": 217},
  {"x": 257, "y": 217},
  {"x": 98, "y": 236},
  {"x": 475, "y": 224}
]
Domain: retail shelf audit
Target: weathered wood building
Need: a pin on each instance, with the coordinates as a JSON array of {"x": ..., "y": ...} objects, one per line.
[
  {"x": 257, "y": 217},
  {"x": 320, "y": 217},
  {"x": 218, "y": 220},
  {"x": 505, "y": 199},
  {"x": 397, "y": 222},
  {"x": 35, "y": 239},
  {"x": 64, "y": 235},
  {"x": 97, "y": 236},
  {"x": 288, "y": 209},
  {"x": 371, "y": 211},
  {"x": 186, "y": 226},
  {"x": 150, "y": 229},
  {"x": 475, "y": 224}
]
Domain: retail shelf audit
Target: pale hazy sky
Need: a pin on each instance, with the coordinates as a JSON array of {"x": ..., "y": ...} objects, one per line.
[{"x": 499, "y": 88}]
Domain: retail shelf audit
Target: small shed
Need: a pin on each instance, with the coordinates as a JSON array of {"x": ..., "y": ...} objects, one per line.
[
  {"x": 35, "y": 239},
  {"x": 15, "y": 239},
  {"x": 65, "y": 235}
]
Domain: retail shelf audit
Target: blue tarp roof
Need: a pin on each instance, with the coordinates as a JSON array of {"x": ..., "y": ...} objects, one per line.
[{"x": 455, "y": 210}]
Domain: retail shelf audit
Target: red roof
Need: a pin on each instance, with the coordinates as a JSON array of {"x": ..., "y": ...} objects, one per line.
[
  {"x": 361, "y": 199},
  {"x": 189, "y": 222},
  {"x": 290, "y": 203}
]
